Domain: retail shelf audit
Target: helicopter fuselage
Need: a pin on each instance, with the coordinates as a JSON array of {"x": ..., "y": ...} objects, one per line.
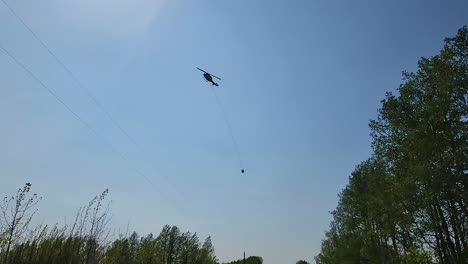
[{"x": 209, "y": 78}]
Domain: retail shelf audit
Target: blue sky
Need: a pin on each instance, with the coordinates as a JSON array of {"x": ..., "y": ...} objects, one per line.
[{"x": 301, "y": 80}]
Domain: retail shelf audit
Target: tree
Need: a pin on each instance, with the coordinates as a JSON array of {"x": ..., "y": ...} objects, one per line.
[
  {"x": 119, "y": 253},
  {"x": 249, "y": 260},
  {"x": 86, "y": 241},
  {"x": 423, "y": 136},
  {"x": 207, "y": 255},
  {"x": 149, "y": 251},
  {"x": 169, "y": 241},
  {"x": 407, "y": 204}
]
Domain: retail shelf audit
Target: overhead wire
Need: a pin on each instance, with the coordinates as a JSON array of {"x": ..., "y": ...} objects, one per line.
[
  {"x": 61, "y": 101},
  {"x": 72, "y": 75},
  {"x": 76, "y": 115},
  {"x": 93, "y": 98},
  {"x": 230, "y": 130}
]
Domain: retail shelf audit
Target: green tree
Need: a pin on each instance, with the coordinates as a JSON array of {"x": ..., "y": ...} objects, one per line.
[
  {"x": 169, "y": 241},
  {"x": 422, "y": 134},
  {"x": 119, "y": 252},
  {"x": 249, "y": 260},
  {"x": 207, "y": 254},
  {"x": 407, "y": 204},
  {"x": 86, "y": 240},
  {"x": 150, "y": 252}
]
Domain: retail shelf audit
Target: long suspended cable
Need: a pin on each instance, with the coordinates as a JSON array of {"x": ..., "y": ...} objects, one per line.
[
  {"x": 229, "y": 127},
  {"x": 74, "y": 113},
  {"x": 93, "y": 98}
]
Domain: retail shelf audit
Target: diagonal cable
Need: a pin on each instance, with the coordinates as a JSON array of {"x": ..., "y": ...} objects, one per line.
[
  {"x": 75, "y": 114},
  {"x": 80, "y": 85}
]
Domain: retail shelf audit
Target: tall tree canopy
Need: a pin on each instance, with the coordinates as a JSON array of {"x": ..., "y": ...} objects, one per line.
[{"x": 408, "y": 203}]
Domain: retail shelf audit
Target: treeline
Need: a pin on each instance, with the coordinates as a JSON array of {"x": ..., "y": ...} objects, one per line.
[
  {"x": 171, "y": 246},
  {"x": 249, "y": 260},
  {"x": 88, "y": 239},
  {"x": 408, "y": 202}
]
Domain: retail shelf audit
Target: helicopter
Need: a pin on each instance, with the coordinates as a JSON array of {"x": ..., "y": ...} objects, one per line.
[{"x": 209, "y": 77}]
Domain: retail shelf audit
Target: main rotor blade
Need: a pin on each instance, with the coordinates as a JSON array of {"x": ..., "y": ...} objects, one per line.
[
  {"x": 214, "y": 76},
  {"x": 202, "y": 70},
  {"x": 209, "y": 74}
]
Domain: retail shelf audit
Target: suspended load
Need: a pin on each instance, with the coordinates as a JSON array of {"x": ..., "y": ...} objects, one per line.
[{"x": 209, "y": 78}]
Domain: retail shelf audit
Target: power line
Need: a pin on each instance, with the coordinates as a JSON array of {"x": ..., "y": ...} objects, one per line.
[
  {"x": 80, "y": 85},
  {"x": 75, "y": 114},
  {"x": 72, "y": 75}
]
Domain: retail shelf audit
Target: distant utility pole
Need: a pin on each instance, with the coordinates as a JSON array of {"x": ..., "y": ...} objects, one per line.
[{"x": 244, "y": 257}]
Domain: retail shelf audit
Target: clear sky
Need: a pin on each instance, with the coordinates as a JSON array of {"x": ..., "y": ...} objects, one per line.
[{"x": 301, "y": 80}]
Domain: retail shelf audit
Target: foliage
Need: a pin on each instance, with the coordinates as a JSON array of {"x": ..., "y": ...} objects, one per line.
[
  {"x": 86, "y": 241},
  {"x": 249, "y": 260},
  {"x": 408, "y": 203},
  {"x": 16, "y": 214}
]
